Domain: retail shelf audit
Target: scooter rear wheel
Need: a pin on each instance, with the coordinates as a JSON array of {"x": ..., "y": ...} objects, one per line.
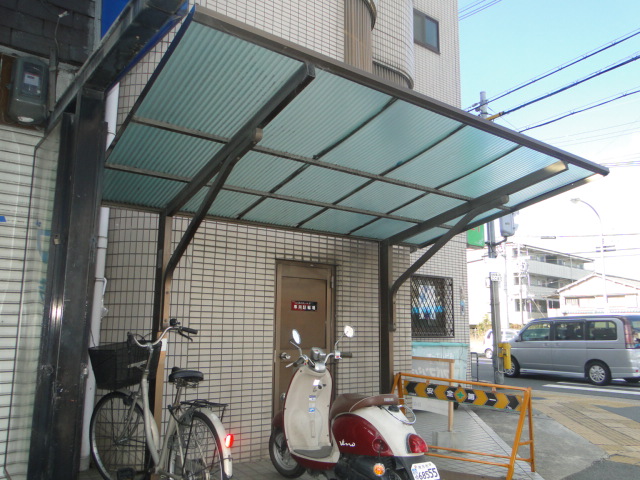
[{"x": 281, "y": 456}]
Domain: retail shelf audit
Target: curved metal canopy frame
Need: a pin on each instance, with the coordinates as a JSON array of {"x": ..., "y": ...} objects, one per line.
[{"x": 239, "y": 125}]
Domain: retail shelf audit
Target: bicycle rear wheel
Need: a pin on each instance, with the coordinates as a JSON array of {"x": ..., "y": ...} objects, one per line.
[
  {"x": 196, "y": 450},
  {"x": 117, "y": 438}
]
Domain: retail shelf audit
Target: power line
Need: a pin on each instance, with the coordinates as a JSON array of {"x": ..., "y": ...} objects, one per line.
[
  {"x": 631, "y": 163},
  {"x": 572, "y": 85},
  {"x": 588, "y": 132},
  {"x": 463, "y": 15},
  {"x": 580, "y": 110},
  {"x": 561, "y": 67},
  {"x": 469, "y": 7},
  {"x": 551, "y": 237},
  {"x": 607, "y": 251}
]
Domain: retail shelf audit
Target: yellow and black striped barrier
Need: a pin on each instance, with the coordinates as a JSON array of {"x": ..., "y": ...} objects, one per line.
[
  {"x": 481, "y": 395},
  {"x": 459, "y": 394}
]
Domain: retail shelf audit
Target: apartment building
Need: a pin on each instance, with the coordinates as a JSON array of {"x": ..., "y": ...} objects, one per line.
[
  {"x": 530, "y": 278},
  {"x": 257, "y": 145}
]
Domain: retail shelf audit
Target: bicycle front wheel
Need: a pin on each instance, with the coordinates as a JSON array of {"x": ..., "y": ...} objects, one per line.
[
  {"x": 196, "y": 449},
  {"x": 117, "y": 438}
]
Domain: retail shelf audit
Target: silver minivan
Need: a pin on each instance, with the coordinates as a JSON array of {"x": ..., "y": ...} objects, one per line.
[{"x": 598, "y": 347}]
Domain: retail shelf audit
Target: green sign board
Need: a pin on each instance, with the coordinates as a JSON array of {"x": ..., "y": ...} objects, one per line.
[{"x": 475, "y": 237}]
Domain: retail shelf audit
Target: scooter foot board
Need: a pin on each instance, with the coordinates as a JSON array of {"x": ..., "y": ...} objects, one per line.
[{"x": 322, "y": 452}]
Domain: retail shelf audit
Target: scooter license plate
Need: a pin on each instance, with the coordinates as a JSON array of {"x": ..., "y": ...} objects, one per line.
[{"x": 425, "y": 471}]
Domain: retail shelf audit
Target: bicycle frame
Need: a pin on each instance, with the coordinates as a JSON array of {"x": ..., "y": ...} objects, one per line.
[{"x": 160, "y": 456}]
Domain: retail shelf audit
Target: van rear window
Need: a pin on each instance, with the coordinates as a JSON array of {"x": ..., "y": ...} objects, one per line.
[{"x": 601, "y": 330}]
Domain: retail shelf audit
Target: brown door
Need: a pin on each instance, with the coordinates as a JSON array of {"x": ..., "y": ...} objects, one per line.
[{"x": 304, "y": 301}]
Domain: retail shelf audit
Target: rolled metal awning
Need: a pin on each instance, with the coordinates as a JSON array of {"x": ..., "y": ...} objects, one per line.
[{"x": 242, "y": 126}]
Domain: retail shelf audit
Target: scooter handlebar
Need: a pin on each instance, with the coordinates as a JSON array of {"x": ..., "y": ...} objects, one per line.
[{"x": 346, "y": 354}]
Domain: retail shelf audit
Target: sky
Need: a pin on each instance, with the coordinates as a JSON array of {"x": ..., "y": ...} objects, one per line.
[{"x": 512, "y": 42}]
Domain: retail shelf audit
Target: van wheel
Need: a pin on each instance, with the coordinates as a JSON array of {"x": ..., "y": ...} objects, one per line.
[
  {"x": 598, "y": 373},
  {"x": 514, "y": 371},
  {"x": 488, "y": 353}
]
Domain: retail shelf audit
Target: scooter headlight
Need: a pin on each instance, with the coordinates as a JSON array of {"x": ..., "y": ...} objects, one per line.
[{"x": 415, "y": 444}]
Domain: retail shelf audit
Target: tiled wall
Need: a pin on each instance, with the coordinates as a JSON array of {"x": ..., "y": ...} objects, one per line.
[
  {"x": 393, "y": 38},
  {"x": 451, "y": 262},
  {"x": 225, "y": 287},
  {"x": 318, "y": 26},
  {"x": 438, "y": 74}
]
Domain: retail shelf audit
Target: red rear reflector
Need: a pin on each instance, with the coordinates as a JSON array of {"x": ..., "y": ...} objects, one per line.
[
  {"x": 415, "y": 444},
  {"x": 379, "y": 469},
  {"x": 228, "y": 440}
]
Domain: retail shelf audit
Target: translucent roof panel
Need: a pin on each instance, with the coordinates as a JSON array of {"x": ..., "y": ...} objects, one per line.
[
  {"x": 298, "y": 140},
  {"x": 309, "y": 126},
  {"x": 393, "y": 137},
  {"x": 235, "y": 74}
]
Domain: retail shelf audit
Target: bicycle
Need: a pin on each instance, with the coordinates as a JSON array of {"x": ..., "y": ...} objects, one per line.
[{"x": 125, "y": 441}]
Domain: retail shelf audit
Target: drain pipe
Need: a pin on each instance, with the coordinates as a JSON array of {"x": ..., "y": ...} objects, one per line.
[{"x": 98, "y": 311}]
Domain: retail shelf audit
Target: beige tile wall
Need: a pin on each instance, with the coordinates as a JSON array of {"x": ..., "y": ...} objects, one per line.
[
  {"x": 438, "y": 74},
  {"x": 225, "y": 287}
]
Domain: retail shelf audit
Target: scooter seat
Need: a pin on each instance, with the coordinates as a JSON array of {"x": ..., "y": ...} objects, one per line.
[{"x": 350, "y": 402}]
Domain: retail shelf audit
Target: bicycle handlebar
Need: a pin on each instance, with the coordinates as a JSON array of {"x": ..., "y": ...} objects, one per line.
[{"x": 183, "y": 331}]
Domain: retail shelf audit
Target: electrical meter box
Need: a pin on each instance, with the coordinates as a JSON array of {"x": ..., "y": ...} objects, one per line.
[
  {"x": 508, "y": 225},
  {"x": 28, "y": 91}
]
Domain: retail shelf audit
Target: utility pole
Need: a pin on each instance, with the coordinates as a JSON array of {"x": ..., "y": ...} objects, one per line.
[
  {"x": 494, "y": 280},
  {"x": 494, "y": 285}
]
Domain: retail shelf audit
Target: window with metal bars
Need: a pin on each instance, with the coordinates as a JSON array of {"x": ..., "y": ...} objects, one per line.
[{"x": 431, "y": 307}]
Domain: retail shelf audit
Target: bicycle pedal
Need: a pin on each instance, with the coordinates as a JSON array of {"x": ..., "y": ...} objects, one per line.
[{"x": 126, "y": 473}]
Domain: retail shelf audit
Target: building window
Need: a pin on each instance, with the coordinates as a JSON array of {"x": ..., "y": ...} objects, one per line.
[
  {"x": 431, "y": 307},
  {"x": 426, "y": 31},
  {"x": 518, "y": 305}
]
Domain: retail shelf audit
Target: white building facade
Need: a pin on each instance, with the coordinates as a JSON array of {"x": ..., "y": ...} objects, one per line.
[
  {"x": 587, "y": 295},
  {"x": 529, "y": 281}
]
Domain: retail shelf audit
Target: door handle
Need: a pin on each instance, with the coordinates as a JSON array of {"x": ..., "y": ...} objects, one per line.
[{"x": 285, "y": 356}]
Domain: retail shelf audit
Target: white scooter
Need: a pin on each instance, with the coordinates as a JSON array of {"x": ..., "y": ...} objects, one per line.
[{"x": 356, "y": 437}]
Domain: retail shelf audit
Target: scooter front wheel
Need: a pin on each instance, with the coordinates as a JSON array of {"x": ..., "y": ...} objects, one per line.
[{"x": 281, "y": 456}]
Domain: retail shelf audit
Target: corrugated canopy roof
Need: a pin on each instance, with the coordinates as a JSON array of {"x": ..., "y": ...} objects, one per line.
[{"x": 266, "y": 132}]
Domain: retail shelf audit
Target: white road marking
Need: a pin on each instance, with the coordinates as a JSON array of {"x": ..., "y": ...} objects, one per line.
[{"x": 593, "y": 389}]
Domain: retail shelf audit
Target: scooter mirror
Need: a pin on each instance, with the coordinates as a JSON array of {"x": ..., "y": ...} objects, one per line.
[
  {"x": 295, "y": 336},
  {"x": 348, "y": 331}
]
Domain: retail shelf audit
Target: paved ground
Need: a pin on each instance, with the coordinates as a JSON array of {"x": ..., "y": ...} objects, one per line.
[{"x": 577, "y": 437}]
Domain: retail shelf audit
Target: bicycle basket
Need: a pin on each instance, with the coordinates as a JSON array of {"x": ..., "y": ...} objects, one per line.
[{"x": 118, "y": 365}]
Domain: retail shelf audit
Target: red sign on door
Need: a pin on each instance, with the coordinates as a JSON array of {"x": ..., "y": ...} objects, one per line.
[{"x": 304, "y": 306}]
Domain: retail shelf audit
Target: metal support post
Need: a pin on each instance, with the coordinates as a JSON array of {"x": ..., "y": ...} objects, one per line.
[{"x": 494, "y": 285}]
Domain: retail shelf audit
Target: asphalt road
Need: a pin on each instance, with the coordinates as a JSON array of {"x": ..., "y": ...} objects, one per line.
[{"x": 562, "y": 454}]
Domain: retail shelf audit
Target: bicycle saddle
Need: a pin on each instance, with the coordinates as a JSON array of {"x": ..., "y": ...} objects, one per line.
[{"x": 191, "y": 376}]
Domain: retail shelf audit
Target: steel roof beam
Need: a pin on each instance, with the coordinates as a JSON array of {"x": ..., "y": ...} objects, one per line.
[
  {"x": 508, "y": 189},
  {"x": 294, "y": 85},
  {"x": 136, "y": 26}
]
